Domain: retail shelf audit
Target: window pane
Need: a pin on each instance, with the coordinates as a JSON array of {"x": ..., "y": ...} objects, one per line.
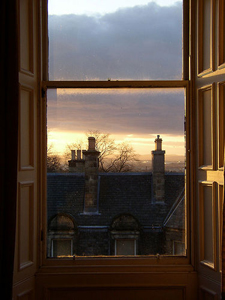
[
  {"x": 118, "y": 40},
  {"x": 61, "y": 248},
  {"x": 179, "y": 248},
  {"x": 125, "y": 177},
  {"x": 125, "y": 247}
]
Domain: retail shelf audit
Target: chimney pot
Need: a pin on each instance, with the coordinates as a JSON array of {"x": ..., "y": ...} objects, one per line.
[
  {"x": 158, "y": 143},
  {"x": 91, "y": 177},
  {"x": 158, "y": 170},
  {"x": 78, "y": 154},
  {"x": 72, "y": 154}
]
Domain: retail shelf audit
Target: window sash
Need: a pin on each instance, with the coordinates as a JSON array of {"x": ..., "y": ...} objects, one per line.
[
  {"x": 116, "y": 84},
  {"x": 152, "y": 259},
  {"x": 139, "y": 84}
]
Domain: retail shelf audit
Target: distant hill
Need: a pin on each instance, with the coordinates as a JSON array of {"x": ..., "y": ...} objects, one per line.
[{"x": 168, "y": 157}]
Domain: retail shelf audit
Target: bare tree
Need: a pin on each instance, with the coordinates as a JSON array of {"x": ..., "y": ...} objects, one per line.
[
  {"x": 53, "y": 161},
  {"x": 124, "y": 159},
  {"x": 112, "y": 158},
  {"x": 79, "y": 145},
  {"x": 104, "y": 144}
]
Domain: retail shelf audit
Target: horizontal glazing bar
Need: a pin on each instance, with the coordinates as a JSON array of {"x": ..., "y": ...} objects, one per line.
[{"x": 116, "y": 84}]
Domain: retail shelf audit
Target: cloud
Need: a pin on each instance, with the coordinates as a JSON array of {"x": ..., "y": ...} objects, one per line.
[
  {"x": 142, "y": 42},
  {"x": 141, "y": 112}
]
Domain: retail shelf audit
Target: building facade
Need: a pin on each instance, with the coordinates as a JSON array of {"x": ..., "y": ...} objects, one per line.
[{"x": 92, "y": 213}]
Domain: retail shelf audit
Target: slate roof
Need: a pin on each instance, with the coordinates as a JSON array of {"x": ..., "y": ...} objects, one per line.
[
  {"x": 119, "y": 193},
  {"x": 175, "y": 219},
  {"x": 65, "y": 193}
]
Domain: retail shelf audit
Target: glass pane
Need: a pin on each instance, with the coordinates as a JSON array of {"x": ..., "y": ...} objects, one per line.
[
  {"x": 179, "y": 248},
  {"x": 61, "y": 248},
  {"x": 125, "y": 247},
  {"x": 116, "y": 40},
  {"x": 116, "y": 169}
]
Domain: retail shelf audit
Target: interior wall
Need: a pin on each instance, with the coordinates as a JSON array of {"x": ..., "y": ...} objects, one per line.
[{"x": 8, "y": 138}]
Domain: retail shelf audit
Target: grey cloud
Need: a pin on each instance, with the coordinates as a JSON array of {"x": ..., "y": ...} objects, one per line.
[
  {"x": 127, "y": 113},
  {"x": 143, "y": 42}
]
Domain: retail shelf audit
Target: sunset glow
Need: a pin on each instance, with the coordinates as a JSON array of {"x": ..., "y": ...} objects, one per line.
[
  {"x": 132, "y": 116},
  {"x": 173, "y": 145},
  {"x": 116, "y": 40}
]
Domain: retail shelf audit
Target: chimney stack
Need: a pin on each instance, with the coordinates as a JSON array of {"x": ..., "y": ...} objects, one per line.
[
  {"x": 91, "y": 143},
  {"x": 72, "y": 162},
  {"x": 89, "y": 166},
  {"x": 91, "y": 177},
  {"x": 76, "y": 164},
  {"x": 158, "y": 170}
]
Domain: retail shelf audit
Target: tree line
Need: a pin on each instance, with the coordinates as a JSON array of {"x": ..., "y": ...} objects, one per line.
[{"x": 113, "y": 157}]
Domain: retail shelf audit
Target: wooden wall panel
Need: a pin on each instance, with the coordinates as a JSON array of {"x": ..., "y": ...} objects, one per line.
[
  {"x": 26, "y": 295},
  {"x": 25, "y": 290},
  {"x": 206, "y": 127},
  {"x": 25, "y": 225},
  {"x": 120, "y": 285},
  {"x": 221, "y": 125},
  {"x": 206, "y": 38},
  {"x": 26, "y": 250},
  {"x": 220, "y": 223},
  {"x": 26, "y": 128},
  {"x": 207, "y": 224},
  {"x": 221, "y": 47},
  {"x": 26, "y": 61},
  {"x": 206, "y": 294},
  {"x": 117, "y": 293}
]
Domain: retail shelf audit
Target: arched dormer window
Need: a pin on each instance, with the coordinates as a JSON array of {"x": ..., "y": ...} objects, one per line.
[
  {"x": 125, "y": 233},
  {"x": 61, "y": 237}
]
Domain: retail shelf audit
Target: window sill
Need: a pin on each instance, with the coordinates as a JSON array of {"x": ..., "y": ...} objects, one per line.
[
  {"x": 153, "y": 263},
  {"x": 117, "y": 265}
]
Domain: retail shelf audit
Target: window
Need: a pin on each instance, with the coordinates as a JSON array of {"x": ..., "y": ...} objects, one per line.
[
  {"x": 120, "y": 111},
  {"x": 178, "y": 248},
  {"x": 93, "y": 281},
  {"x": 125, "y": 234},
  {"x": 138, "y": 40},
  {"x": 125, "y": 247},
  {"x": 61, "y": 248},
  {"x": 61, "y": 235}
]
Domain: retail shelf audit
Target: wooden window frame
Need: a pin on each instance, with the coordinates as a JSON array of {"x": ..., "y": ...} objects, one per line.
[{"x": 183, "y": 263}]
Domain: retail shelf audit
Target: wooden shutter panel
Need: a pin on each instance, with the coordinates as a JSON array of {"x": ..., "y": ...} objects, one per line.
[
  {"x": 209, "y": 100},
  {"x": 26, "y": 262}
]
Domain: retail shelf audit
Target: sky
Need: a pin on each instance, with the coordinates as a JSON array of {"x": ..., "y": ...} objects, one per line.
[
  {"x": 134, "y": 116},
  {"x": 141, "y": 42},
  {"x": 92, "y": 7},
  {"x": 116, "y": 40}
]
